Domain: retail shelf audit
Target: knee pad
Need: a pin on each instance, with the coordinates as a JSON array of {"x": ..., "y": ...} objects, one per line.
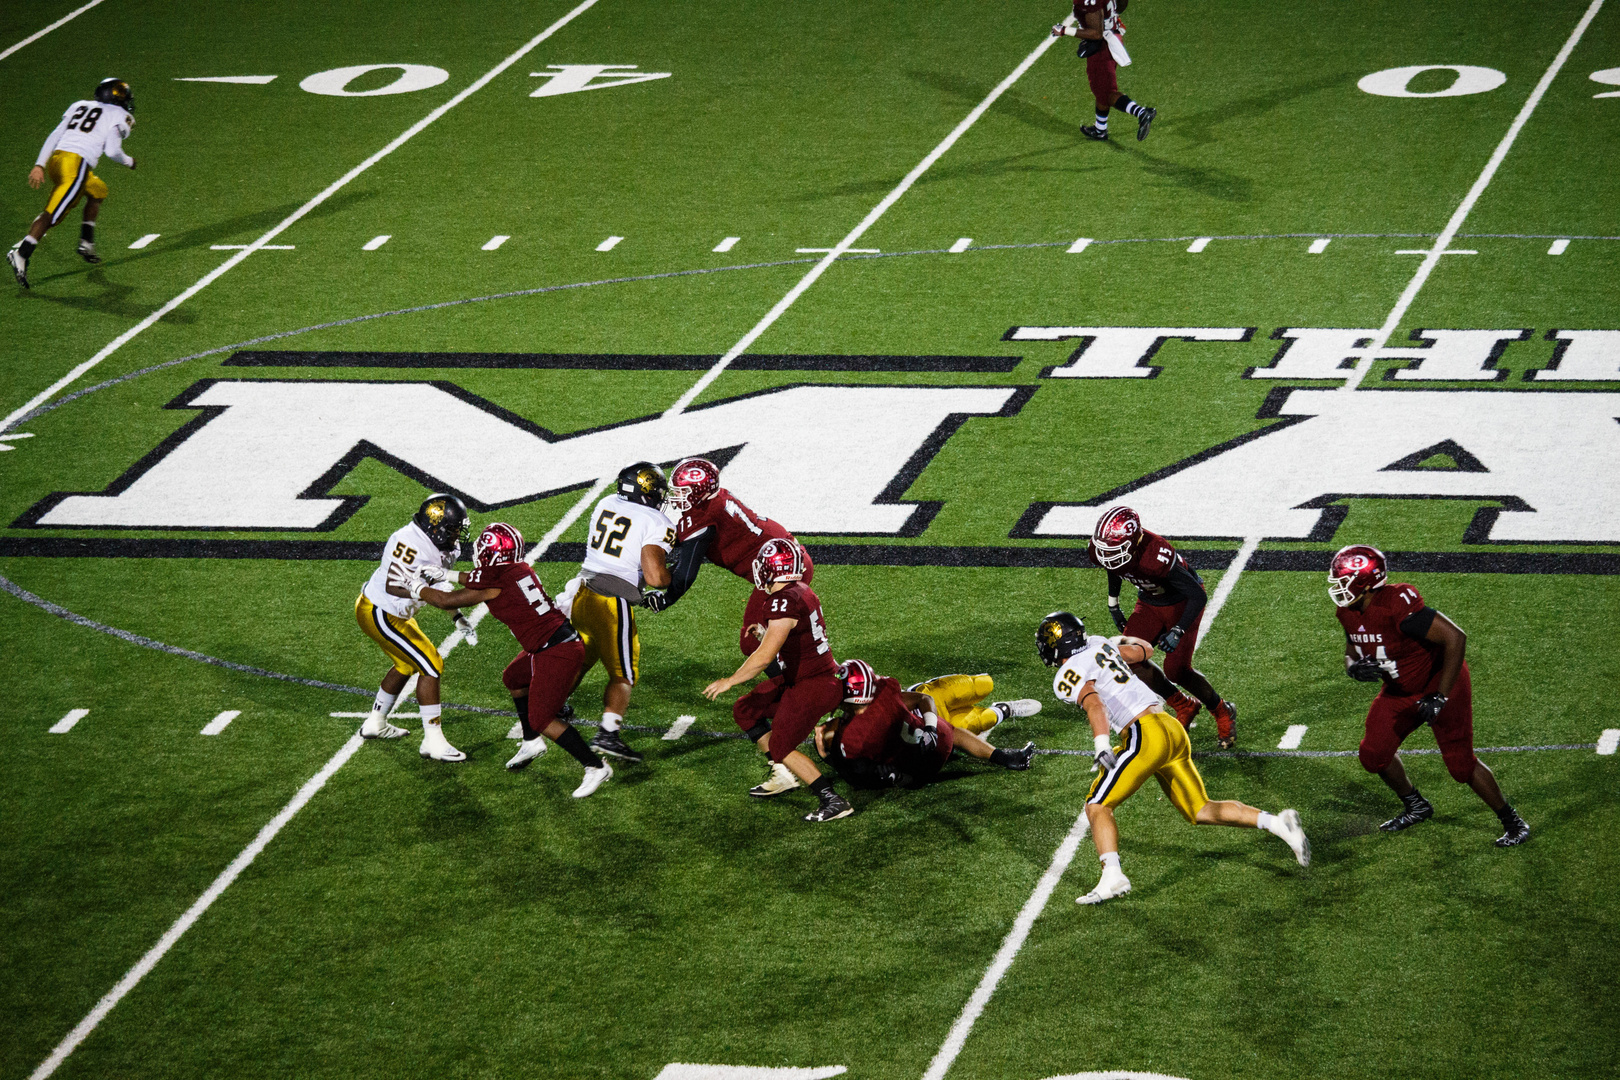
[{"x": 759, "y": 731}]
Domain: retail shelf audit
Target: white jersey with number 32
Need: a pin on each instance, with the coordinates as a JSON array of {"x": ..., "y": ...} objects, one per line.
[
  {"x": 617, "y": 531},
  {"x": 1124, "y": 696}
]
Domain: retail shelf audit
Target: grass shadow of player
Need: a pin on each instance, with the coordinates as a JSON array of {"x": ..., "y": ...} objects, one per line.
[
  {"x": 993, "y": 167},
  {"x": 114, "y": 300},
  {"x": 1199, "y": 128},
  {"x": 1009, "y": 105},
  {"x": 1209, "y": 181}
]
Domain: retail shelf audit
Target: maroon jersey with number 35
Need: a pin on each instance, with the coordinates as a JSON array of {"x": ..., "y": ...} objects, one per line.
[
  {"x": 738, "y": 531},
  {"x": 524, "y": 605},
  {"x": 1150, "y": 569},
  {"x": 806, "y": 652},
  {"x": 1409, "y": 663}
]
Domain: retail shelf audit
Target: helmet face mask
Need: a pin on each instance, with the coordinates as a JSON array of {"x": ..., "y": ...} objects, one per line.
[
  {"x": 860, "y": 682},
  {"x": 779, "y": 560},
  {"x": 643, "y": 483},
  {"x": 1060, "y": 635},
  {"x": 1118, "y": 532},
  {"x": 116, "y": 92},
  {"x": 1356, "y": 570},
  {"x": 499, "y": 544},
  {"x": 444, "y": 518},
  {"x": 692, "y": 481}
]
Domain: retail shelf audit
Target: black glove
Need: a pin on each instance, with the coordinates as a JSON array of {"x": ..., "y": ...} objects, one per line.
[
  {"x": 1116, "y": 613},
  {"x": 926, "y": 738},
  {"x": 1105, "y": 760},
  {"x": 655, "y": 600},
  {"x": 774, "y": 669},
  {"x": 1429, "y": 706},
  {"x": 1169, "y": 640},
  {"x": 1364, "y": 669}
]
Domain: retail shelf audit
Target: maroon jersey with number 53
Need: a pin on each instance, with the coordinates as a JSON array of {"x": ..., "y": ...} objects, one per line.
[
  {"x": 738, "y": 531},
  {"x": 1409, "y": 663},
  {"x": 524, "y": 605},
  {"x": 806, "y": 652}
]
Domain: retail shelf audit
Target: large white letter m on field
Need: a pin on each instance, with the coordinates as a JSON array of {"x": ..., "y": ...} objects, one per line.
[{"x": 1548, "y": 459}]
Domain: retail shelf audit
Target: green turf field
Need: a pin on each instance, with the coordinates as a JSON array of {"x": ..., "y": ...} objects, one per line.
[{"x": 316, "y": 307}]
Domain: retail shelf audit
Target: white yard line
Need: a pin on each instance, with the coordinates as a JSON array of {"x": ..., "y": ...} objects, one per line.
[
  {"x": 65, "y": 725},
  {"x": 63, "y": 21},
  {"x": 220, "y": 722},
  {"x": 293, "y": 218},
  {"x": 1432, "y": 256},
  {"x": 1229, "y": 580}
]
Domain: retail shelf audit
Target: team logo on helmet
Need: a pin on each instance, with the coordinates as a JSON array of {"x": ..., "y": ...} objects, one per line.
[
  {"x": 779, "y": 559},
  {"x": 643, "y": 483},
  {"x": 860, "y": 682},
  {"x": 1115, "y": 538},
  {"x": 444, "y": 519},
  {"x": 694, "y": 480},
  {"x": 498, "y": 545},
  {"x": 1355, "y": 571},
  {"x": 1060, "y": 635}
]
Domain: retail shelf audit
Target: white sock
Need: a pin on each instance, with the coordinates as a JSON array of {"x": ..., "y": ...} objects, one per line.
[
  {"x": 1110, "y": 861},
  {"x": 430, "y": 716},
  {"x": 383, "y": 702},
  {"x": 1268, "y": 822},
  {"x": 611, "y": 721},
  {"x": 1102, "y": 121}
]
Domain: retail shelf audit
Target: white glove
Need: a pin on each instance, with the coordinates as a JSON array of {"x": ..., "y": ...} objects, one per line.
[
  {"x": 468, "y": 630},
  {"x": 432, "y": 574},
  {"x": 1103, "y": 751},
  {"x": 414, "y": 585},
  {"x": 1060, "y": 31}
]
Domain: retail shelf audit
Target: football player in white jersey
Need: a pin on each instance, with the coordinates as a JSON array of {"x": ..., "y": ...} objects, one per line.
[
  {"x": 1094, "y": 673},
  {"x": 386, "y": 612},
  {"x": 628, "y": 538},
  {"x": 88, "y": 130}
]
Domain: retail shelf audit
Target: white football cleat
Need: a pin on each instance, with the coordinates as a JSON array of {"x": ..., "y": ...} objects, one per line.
[
  {"x": 594, "y": 778},
  {"x": 780, "y": 780},
  {"x": 515, "y": 731},
  {"x": 1018, "y": 707},
  {"x": 528, "y": 750},
  {"x": 1293, "y": 834},
  {"x": 437, "y": 747},
  {"x": 1114, "y": 883},
  {"x": 378, "y": 727}
]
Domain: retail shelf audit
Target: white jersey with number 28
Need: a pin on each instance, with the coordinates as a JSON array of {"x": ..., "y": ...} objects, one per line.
[{"x": 1124, "y": 696}]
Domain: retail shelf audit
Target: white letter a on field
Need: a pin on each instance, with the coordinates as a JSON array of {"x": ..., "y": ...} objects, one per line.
[{"x": 572, "y": 78}]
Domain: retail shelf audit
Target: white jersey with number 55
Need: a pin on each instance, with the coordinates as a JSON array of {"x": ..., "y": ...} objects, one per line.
[
  {"x": 407, "y": 551},
  {"x": 615, "y": 534},
  {"x": 1124, "y": 696}
]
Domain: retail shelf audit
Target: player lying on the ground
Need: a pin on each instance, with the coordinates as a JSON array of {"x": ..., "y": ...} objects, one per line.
[
  {"x": 1100, "y": 32},
  {"x": 888, "y": 737},
  {"x": 1095, "y": 674},
  {"x": 783, "y": 622},
  {"x": 958, "y": 697},
  {"x": 1170, "y": 600},
  {"x": 711, "y": 523},
  {"x": 88, "y": 130},
  {"x": 1392, "y": 636},
  {"x": 542, "y": 675},
  {"x": 386, "y": 611}
]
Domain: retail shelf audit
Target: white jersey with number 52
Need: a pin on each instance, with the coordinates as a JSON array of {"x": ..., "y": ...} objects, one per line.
[
  {"x": 615, "y": 534},
  {"x": 1124, "y": 696}
]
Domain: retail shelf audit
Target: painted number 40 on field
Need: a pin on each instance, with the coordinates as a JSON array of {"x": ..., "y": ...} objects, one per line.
[{"x": 572, "y": 78}]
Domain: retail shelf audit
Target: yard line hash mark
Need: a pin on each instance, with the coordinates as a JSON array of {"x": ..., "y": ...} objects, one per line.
[
  {"x": 143, "y": 241},
  {"x": 220, "y": 722},
  {"x": 1198, "y": 245},
  {"x": 1080, "y": 245},
  {"x": 961, "y": 245},
  {"x": 1607, "y": 743},
  {"x": 1379, "y": 341},
  {"x": 610, "y": 243},
  {"x": 376, "y": 242},
  {"x": 1291, "y": 738},
  {"x": 1559, "y": 246},
  {"x": 244, "y": 247},
  {"x": 495, "y": 241},
  {"x": 727, "y": 244},
  {"x": 65, "y": 725},
  {"x": 290, "y": 220},
  {"x": 1318, "y": 246},
  {"x": 64, "y": 20},
  {"x": 679, "y": 727}
]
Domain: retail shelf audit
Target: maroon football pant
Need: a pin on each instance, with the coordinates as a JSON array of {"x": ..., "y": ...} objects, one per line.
[
  {"x": 1148, "y": 622},
  {"x": 1391, "y": 719},
  {"x": 1100, "y": 69},
  {"x": 792, "y": 710},
  {"x": 549, "y": 676}
]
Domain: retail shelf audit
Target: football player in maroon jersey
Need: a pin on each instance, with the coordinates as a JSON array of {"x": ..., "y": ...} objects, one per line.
[
  {"x": 541, "y": 676},
  {"x": 889, "y": 737},
  {"x": 1392, "y": 636},
  {"x": 712, "y": 523},
  {"x": 783, "y": 622},
  {"x": 1170, "y": 599},
  {"x": 1096, "y": 18}
]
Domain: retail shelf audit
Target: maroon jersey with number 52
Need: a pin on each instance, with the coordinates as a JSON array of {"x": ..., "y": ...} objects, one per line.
[
  {"x": 806, "y": 652},
  {"x": 1409, "y": 663},
  {"x": 738, "y": 531},
  {"x": 524, "y": 605}
]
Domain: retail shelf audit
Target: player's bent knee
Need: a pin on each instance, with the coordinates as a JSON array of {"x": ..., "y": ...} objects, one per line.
[
  {"x": 1462, "y": 770},
  {"x": 1374, "y": 760}
]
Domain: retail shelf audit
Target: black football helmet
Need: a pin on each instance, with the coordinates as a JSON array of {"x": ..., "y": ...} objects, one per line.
[
  {"x": 1060, "y": 636},
  {"x": 643, "y": 483},
  {"x": 115, "y": 92},
  {"x": 444, "y": 519}
]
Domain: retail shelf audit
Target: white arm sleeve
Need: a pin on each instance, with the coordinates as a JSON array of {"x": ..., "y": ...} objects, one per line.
[
  {"x": 50, "y": 143},
  {"x": 115, "y": 147}
]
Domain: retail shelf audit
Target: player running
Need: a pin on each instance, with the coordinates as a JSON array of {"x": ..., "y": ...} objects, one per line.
[
  {"x": 1392, "y": 636},
  {"x": 783, "y": 621},
  {"x": 1170, "y": 601},
  {"x": 541, "y": 676},
  {"x": 1100, "y": 32},
  {"x": 88, "y": 130},
  {"x": 888, "y": 737},
  {"x": 1095, "y": 674},
  {"x": 386, "y": 611},
  {"x": 710, "y": 522},
  {"x": 628, "y": 541}
]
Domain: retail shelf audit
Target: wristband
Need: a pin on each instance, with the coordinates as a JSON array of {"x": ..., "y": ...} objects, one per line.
[
  {"x": 1113, "y": 601},
  {"x": 931, "y": 721},
  {"x": 1101, "y": 744}
]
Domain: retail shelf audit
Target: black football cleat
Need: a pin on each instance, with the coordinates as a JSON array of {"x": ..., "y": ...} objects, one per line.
[
  {"x": 1018, "y": 760},
  {"x": 566, "y": 713},
  {"x": 1517, "y": 832},
  {"x": 1091, "y": 132},
  {"x": 1144, "y": 122},
  {"x": 833, "y": 806},
  {"x": 613, "y": 745},
  {"x": 87, "y": 252},
  {"x": 1417, "y": 809}
]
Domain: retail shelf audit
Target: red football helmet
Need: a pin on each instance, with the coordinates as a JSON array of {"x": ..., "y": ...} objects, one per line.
[
  {"x": 1356, "y": 570},
  {"x": 1118, "y": 532},
  {"x": 860, "y": 682},
  {"x": 692, "y": 481},
  {"x": 498, "y": 545},
  {"x": 779, "y": 559}
]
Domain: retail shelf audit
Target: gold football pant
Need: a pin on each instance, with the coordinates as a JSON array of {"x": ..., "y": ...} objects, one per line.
[
  {"x": 1154, "y": 745},
  {"x": 607, "y": 625},
  {"x": 958, "y": 697},
  {"x": 403, "y": 641},
  {"x": 70, "y": 177}
]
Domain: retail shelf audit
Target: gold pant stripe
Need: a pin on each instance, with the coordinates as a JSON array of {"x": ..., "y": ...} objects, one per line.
[
  {"x": 70, "y": 177},
  {"x": 607, "y": 626},
  {"x": 403, "y": 640},
  {"x": 1154, "y": 745}
]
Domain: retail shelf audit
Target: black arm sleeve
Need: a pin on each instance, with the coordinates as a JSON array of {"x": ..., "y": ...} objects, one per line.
[
  {"x": 686, "y": 562},
  {"x": 1185, "y": 584},
  {"x": 1114, "y": 581},
  {"x": 1416, "y": 625}
]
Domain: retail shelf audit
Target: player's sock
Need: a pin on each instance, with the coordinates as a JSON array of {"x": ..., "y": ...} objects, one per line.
[
  {"x": 383, "y": 702},
  {"x": 26, "y": 246},
  {"x": 521, "y": 704},
  {"x": 1102, "y": 122},
  {"x": 998, "y": 756},
  {"x": 1110, "y": 861},
  {"x": 1135, "y": 108},
  {"x": 1507, "y": 815},
  {"x": 1414, "y": 800},
  {"x": 430, "y": 715},
  {"x": 1267, "y": 822},
  {"x": 611, "y": 721},
  {"x": 87, "y": 232},
  {"x": 571, "y": 741},
  {"x": 821, "y": 786}
]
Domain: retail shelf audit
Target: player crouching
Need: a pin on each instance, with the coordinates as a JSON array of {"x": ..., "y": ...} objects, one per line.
[
  {"x": 1095, "y": 674},
  {"x": 540, "y": 677},
  {"x": 889, "y": 737}
]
